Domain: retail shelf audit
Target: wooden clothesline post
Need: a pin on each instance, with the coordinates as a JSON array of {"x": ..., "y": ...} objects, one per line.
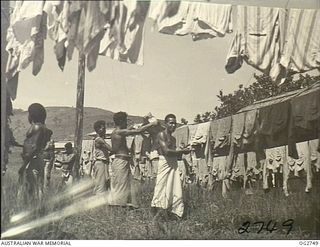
[{"x": 79, "y": 114}]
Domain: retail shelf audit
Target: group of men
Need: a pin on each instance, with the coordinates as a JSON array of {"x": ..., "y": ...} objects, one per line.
[{"x": 168, "y": 189}]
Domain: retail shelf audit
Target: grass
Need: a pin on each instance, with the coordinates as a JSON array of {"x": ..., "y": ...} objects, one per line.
[{"x": 208, "y": 215}]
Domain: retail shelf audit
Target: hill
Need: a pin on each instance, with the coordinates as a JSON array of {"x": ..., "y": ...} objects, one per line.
[{"x": 62, "y": 121}]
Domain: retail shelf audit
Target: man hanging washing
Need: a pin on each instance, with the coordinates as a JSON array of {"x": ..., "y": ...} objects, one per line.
[
  {"x": 168, "y": 190},
  {"x": 121, "y": 181}
]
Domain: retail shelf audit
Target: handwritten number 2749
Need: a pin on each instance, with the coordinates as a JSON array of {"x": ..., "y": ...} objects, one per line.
[{"x": 269, "y": 226}]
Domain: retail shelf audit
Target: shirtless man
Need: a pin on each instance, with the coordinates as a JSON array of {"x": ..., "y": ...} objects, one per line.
[
  {"x": 31, "y": 173},
  {"x": 121, "y": 180},
  {"x": 67, "y": 162},
  {"x": 168, "y": 189},
  {"x": 101, "y": 158}
]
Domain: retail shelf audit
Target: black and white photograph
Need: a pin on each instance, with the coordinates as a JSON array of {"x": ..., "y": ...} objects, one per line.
[{"x": 160, "y": 120}]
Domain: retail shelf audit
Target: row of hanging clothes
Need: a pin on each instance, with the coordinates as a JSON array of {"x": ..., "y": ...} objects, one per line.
[
  {"x": 272, "y": 40},
  {"x": 275, "y": 41},
  {"x": 109, "y": 28},
  {"x": 272, "y": 137}
]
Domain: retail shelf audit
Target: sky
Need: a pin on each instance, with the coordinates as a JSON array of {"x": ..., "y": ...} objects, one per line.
[{"x": 179, "y": 75}]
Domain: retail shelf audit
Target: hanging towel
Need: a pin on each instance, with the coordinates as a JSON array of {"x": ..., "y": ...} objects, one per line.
[
  {"x": 256, "y": 40},
  {"x": 300, "y": 35}
]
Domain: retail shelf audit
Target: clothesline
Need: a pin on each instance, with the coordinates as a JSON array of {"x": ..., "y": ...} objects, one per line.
[
  {"x": 116, "y": 29},
  {"x": 122, "y": 37}
]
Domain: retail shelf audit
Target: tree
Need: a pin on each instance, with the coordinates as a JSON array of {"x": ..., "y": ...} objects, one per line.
[
  {"x": 198, "y": 119},
  {"x": 184, "y": 121},
  {"x": 261, "y": 89}
]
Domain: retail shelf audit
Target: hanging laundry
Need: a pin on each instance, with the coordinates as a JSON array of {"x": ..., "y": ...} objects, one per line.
[
  {"x": 202, "y": 133},
  {"x": 170, "y": 16},
  {"x": 58, "y": 27},
  {"x": 275, "y": 158},
  {"x": 249, "y": 127},
  {"x": 301, "y": 40},
  {"x": 200, "y": 20},
  {"x": 192, "y": 132},
  {"x": 305, "y": 109},
  {"x": 273, "y": 124},
  {"x": 210, "y": 20},
  {"x": 252, "y": 164},
  {"x": 219, "y": 170},
  {"x": 74, "y": 22},
  {"x": 256, "y": 40},
  {"x": 273, "y": 119},
  {"x": 25, "y": 37},
  {"x": 93, "y": 32},
  {"x": 124, "y": 36},
  {"x": 138, "y": 140},
  {"x": 238, "y": 168},
  {"x": 146, "y": 146},
  {"x": 213, "y": 131},
  {"x": 203, "y": 172},
  {"x": 238, "y": 121},
  {"x": 275, "y": 163},
  {"x": 182, "y": 171},
  {"x": 219, "y": 167},
  {"x": 302, "y": 163},
  {"x": 223, "y": 133},
  {"x": 182, "y": 136},
  {"x": 305, "y": 116}
]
